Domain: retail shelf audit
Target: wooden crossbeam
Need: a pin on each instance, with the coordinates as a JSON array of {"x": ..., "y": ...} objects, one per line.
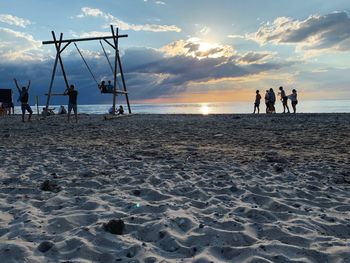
[{"x": 82, "y": 39}]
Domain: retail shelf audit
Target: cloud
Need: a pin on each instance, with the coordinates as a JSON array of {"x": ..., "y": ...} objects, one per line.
[
  {"x": 14, "y": 20},
  {"x": 195, "y": 47},
  {"x": 316, "y": 33},
  {"x": 255, "y": 57},
  {"x": 16, "y": 45},
  {"x": 87, "y": 11},
  {"x": 160, "y": 3},
  {"x": 149, "y": 73},
  {"x": 205, "y": 30},
  {"x": 110, "y": 19},
  {"x": 171, "y": 74}
]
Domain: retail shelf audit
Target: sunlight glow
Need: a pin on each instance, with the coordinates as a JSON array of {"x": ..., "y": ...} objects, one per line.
[
  {"x": 204, "y": 109},
  {"x": 205, "y": 46}
]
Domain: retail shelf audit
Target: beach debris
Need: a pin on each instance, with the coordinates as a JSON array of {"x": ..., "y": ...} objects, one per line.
[
  {"x": 161, "y": 234},
  {"x": 45, "y": 246},
  {"x": 115, "y": 227},
  {"x": 50, "y": 187},
  {"x": 136, "y": 192},
  {"x": 278, "y": 168}
]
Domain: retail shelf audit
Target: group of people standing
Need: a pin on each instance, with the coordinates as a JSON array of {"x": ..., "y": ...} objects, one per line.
[
  {"x": 24, "y": 97},
  {"x": 71, "y": 92},
  {"x": 270, "y": 100}
]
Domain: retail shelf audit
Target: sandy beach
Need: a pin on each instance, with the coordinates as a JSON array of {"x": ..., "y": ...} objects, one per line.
[{"x": 187, "y": 188}]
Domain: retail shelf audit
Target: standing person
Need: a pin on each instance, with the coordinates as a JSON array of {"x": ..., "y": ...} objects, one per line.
[
  {"x": 267, "y": 101},
  {"x": 272, "y": 101},
  {"x": 284, "y": 99},
  {"x": 72, "y": 102},
  {"x": 23, "y": 98},
  {"x": 294, "y": 98},
  {"x": 257, "y": 102}
]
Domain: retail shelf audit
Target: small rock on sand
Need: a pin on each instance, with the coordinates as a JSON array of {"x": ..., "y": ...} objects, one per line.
[
  {"x": 45, "y": 246},
  {"x": 115, "y": 227}
]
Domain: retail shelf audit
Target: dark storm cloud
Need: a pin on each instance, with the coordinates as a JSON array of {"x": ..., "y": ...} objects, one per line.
[
  {"x": 169, "y": 75},
  {"x": 149, "y": 73},
  {"x": 331, "y": 31},
  {"x": 254, "y": 57}
]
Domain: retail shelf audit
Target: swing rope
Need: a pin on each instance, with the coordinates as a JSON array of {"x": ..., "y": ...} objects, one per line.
[
  {"x": 109, "y": 62},
  {"x": 86, "y": 63}
]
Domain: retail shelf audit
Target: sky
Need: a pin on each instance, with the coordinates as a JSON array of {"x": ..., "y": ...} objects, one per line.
[{"x": 182, "y": 50}]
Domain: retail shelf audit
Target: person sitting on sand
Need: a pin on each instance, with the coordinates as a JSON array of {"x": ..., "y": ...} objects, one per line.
[
  {"x": 272, "y": 101},
  {"x": 120, "y": 111},
  {"x": 110, "y": 110},
  {"x": 257, "y": 102},
  {"x": 294, "y": 99},
  {"x": 23, "y": 98},
  {"x": 72, "y": 102},
  {"x": 102, "y": 87},
  {"x": 62, "y": 110},
  {"x": 284, "y": 99},
  {"x": 48, "y": 112}
]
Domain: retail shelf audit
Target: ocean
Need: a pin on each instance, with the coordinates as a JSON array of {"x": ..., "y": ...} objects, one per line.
[{"x": 307, "y": 106}]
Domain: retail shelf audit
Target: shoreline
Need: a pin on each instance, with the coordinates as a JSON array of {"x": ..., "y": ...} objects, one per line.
[{"x": 189, "y": 188}]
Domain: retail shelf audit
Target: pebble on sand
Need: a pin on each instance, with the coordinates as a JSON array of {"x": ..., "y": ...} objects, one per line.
[{"x": 49, "y": 186}]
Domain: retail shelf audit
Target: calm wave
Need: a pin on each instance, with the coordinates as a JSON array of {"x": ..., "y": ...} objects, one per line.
[{"x": 320, "y": 106}]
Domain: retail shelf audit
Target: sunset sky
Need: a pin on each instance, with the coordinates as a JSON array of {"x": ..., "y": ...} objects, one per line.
[{"x": 181, "y": 50}]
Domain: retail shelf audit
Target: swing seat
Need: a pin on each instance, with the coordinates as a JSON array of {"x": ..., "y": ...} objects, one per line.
[{"x": 112, "y": 91}]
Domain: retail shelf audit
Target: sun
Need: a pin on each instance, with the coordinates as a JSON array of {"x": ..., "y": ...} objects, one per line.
[
  {"x": 204, "y": 109},
  {"x": 205, "y": 46}
]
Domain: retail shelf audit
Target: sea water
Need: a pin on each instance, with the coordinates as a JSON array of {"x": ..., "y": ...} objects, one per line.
[{"x": 307, "y": 106}]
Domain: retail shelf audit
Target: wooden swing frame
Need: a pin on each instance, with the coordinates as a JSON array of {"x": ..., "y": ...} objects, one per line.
[{"x": 117, "y": 63}]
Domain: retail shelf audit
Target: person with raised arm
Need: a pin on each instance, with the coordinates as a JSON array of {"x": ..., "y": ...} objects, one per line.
[{"x": 23, "y": 98}]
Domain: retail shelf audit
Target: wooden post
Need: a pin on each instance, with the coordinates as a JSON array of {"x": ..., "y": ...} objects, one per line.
[
  {"x": 124, "y": 85},
  {"x": 115, "y": 68},
  {"x": 53, "y": 72},
  {"x": 58, "y": 47},
  {"x": 117, "y": 62},
  {"x": 37, "y": 104}
]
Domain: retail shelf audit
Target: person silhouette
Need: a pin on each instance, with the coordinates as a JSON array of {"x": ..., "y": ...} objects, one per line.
[
  {"x": 23, "y": 98},
  {"x": 272, "y": 101},
  {"x": 294, "y": 99},
  {"x": 267, "y": 101},
  {"x": 102, "y": 87},
  {"x": 284, "y": 99},
  {"x": 72, "y": 102},
  {"x": 257, "y": 102}
]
